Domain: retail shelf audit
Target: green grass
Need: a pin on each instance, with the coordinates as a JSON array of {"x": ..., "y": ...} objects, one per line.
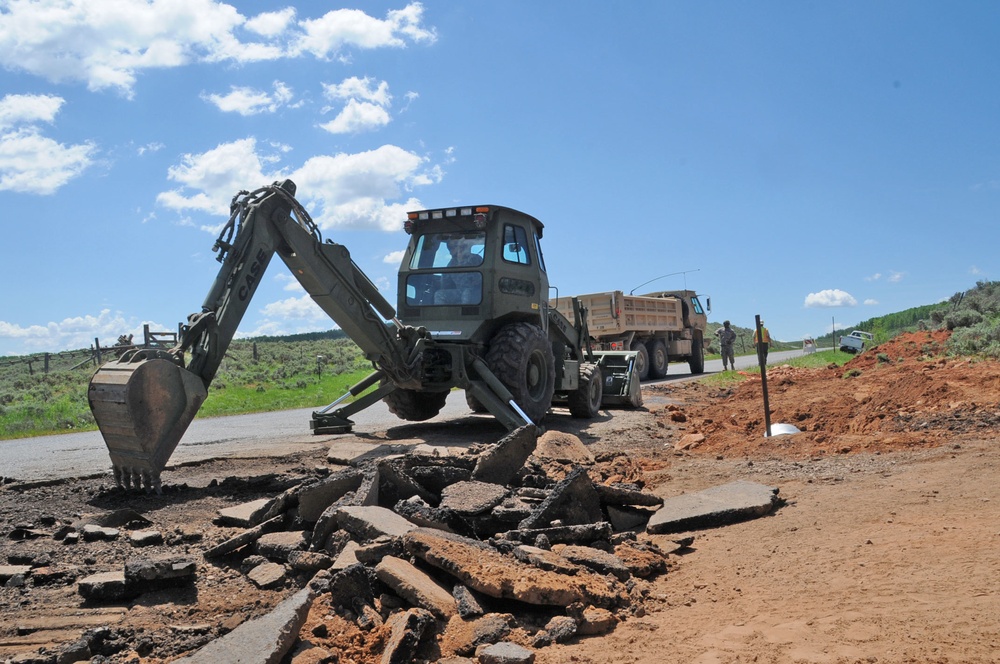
[
  {"x": 266, "y": 375},
  {"x": 822, "y": 358}
]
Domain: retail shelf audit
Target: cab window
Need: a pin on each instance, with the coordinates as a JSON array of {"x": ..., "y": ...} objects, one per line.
[
  {"x": 697, "y": 306},
  {"x": 515, "y": 245}
]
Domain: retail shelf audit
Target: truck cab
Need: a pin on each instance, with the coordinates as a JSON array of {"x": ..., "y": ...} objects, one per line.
[{"x": 469, "y": 270}]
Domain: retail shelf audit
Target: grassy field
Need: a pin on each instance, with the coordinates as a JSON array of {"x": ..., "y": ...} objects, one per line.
[{"x": 278, "y": 376}]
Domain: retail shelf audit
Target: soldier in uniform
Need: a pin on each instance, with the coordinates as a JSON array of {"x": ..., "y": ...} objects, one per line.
[{"x": 727, "y": 337}]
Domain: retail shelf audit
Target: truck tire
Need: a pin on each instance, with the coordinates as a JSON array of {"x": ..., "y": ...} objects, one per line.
[
  {"x": 521, "y": 356},
  {"x": 697, "y": 361},
  {"x": 415, "y": 406},
  {"x": 641, "y": 360},
  {"x": 585, "y": 401},
  {"x": 658, "y": 358}
]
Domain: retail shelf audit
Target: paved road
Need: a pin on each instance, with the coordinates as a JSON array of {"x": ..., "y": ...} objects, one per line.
[{"x": 260, "y": 434}]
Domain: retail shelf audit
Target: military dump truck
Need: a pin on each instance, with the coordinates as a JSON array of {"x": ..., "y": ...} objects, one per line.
[
  {"x": 660, "y": 327},
  {"x": 472, "y": 313}
]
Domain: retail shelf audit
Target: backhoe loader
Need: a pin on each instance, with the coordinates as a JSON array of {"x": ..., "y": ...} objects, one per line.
[{"x": 473, "y": 313}]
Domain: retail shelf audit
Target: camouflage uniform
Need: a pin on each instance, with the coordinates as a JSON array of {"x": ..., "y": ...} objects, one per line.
[{"x": 727, "y": 337}]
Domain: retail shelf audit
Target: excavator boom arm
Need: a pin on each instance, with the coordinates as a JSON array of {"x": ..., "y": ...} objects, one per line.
[{"x": 144, "y": 402}]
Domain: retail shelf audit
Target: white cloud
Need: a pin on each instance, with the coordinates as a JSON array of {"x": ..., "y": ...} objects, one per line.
[
  {"x": 830, "y": 298},
  {"x": 357, "y": 116},
  {"x": 74, "y": 333},
  {"x": 108, "y": 44},
  {"x": 871, "y": 301},
  {"x": 359, "y": 88},
  {"x": 343, "y": 190},
  {"x": 216, "y": 175},
  {"x": 28, "y": 109},
  {"x": 150, "y": 147},
  {"x": 271, "y": 24},
  {"x": 874, "y": 277},
  {"x": 366, "y": 107},
  {"x": 394, "y": 258},
  {"x": 249, "y": 101},
  {"x": 896, "y": 277},
  {"x": 31, "y": 162},
  {"x": 290, "y": 282},
  {"x": 35, "y": 164},
  {"x": 326, "y": 36},
  {"x": 296, "y": 308}
]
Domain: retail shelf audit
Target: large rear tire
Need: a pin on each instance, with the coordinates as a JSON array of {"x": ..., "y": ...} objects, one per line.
[
  {"x": 697, "y": 361},
  {"x": 585, "y": 401},
  {"x": 415, "y": 406},
  {"x": 641, "y": 360},
  {"x": 521, "y": 356},
  {"x": 658, "y": 358}
]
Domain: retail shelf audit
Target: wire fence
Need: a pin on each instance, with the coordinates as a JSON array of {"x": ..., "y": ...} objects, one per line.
[{"x": 95, "y": 355}]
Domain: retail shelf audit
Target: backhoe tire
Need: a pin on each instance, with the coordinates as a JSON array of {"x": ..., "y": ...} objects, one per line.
[
  {"x": 697, "y": 361},
  {"x": 520, "y": 355},
  {"x": 415, "y": 406},
  {"x": 474, "y": 404},
  {"x": 658, "y": 358},
  {"x": 585, "y": 401},
  {"x": 641, "y": 360}
]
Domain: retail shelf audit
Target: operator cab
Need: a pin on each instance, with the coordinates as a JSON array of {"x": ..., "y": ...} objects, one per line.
[{"x": 468, "y": 269}]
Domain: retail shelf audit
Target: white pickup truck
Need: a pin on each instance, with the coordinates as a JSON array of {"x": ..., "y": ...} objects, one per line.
[{"x": 856, "y": 341}]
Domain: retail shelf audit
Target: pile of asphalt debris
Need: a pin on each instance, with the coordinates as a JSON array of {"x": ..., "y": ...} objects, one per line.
[{"x": 485, "y": 555}]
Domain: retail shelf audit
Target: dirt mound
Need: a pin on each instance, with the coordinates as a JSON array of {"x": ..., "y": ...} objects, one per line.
[{"x": 901, "y": 395}]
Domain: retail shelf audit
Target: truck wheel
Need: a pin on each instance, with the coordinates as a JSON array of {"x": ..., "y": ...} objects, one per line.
[
  {"x": 585, "y": 401},
  {"x": 415, "y": 406},
  {"x": 697, "y": 361},
  {"x": 520, "y": 355},
  {"x": 658, "y": 358},
  {"x": 641, "y": 360}
]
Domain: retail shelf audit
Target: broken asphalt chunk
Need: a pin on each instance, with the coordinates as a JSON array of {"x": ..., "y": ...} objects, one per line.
[
  {"x": 264, "y": 640},
  {"x": 486, "y": 570},
  {"x": 500, "y": 463},
  {"x": 717, "y": 506},
  {"x": 572, "y": 501},
  {"x": 416, "y": 587}
]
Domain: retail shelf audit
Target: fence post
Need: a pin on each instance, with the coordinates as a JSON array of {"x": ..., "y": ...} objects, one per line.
[
  {"x": 46, "y": 363},
  {"x": 97, "y": 349}
]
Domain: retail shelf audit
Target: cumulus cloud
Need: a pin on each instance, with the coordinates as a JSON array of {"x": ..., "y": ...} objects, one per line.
[
  {"x": 108, "y": 44},
  {"x": 871, "y": 301},
  {"x": 30, "y": 161},
  {"x": 394, "y": 258},
  {"x": 73, "y": 333},
  {"x": 249, "y": 101},
  {"x": 296, "y": 309},
  {"x": 359, "y": 190},
  {"x": 366, "y": 105},
  {"x": 325, "y": 37},
  {"x": 830, "y": 298},
  {"x": 896, "y": 277}
]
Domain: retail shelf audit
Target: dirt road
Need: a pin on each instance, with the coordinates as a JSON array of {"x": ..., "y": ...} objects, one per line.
[{"x": 888, "y": 549}]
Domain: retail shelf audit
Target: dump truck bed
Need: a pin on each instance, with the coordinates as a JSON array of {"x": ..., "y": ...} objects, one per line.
[{"x": 613, "y": 312}]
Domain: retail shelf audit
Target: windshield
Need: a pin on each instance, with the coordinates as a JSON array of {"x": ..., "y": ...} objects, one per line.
[{"x": 439, "y": 250}]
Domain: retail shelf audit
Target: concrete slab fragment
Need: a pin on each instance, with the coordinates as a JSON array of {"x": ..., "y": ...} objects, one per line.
[
  {"x": 416, "y": 587},
  {"x": 717, "y": 506},
  {"x": 573, "y": 501},
  {"x": 366, "y": 522},
  {"x": 315, "y": 498},
  {"x": 501, "y": 462},
  {"x": 265, "y": 640},
  {"x": 244, "y": 515},
  {"x": 470, "y": 498}
]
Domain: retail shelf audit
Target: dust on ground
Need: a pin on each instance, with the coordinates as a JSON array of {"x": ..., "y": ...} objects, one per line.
[{"x": 887, "y": 550}]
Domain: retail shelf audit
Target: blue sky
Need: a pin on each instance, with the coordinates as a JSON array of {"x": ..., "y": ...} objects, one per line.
[{"x": 809, "y": 162}]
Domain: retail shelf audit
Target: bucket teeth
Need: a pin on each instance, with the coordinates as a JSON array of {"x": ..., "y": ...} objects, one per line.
[{"x": 129, "y": 478}]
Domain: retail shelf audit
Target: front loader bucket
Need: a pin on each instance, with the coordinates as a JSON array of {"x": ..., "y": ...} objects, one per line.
[
  {"x": 621, "y": 382},
  {"x": 143, "y": 408}
]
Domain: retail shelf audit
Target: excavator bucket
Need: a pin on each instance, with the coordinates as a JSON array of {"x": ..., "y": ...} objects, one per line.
[{"x": 143, "y": 406}]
